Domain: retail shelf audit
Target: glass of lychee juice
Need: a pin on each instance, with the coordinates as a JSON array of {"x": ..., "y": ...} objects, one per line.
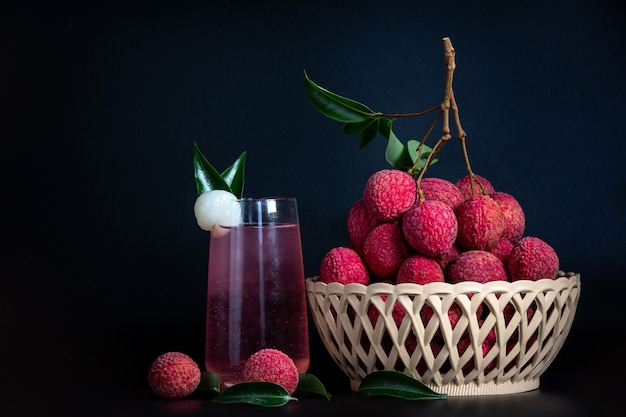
[{"x": 256, "y": 295}]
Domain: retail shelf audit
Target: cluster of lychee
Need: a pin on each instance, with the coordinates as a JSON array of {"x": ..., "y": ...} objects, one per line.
[
  {"x": 439, "y": 231},
  {"x": 175, "y": 375}
]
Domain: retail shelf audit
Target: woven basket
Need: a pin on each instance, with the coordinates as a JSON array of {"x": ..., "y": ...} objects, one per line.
[{"x": 459, "y": 339}]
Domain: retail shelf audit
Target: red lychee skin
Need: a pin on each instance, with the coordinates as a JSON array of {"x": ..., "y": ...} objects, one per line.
[
  {"x": 478, "y": 266},
  {"x": 360, "y": 223},
  {"x": 514, "y": 217},
  {"x": 442, "y": 190},
  {"x": 174, "y": 375},
  {"x": 271, "y": 365},
  {"x": 449, "y": 257},
  {"x": 430, "y": 227},
  {"x": 436, "y": 346},
  {"x": 502, "y": 249},
  {"x": 465, "y": 186},
  {"x": 397, "y": 313},
  {"x": 486, "y": 346},
  {"x": 419, "y": 269},
  {"x": 385, "y": 249},
  {"x": 533, "y": 259},
  {"x": 389, "y": 193},
  {"x": 481, "y": 222},
  {"x": 343, "y": 265}
]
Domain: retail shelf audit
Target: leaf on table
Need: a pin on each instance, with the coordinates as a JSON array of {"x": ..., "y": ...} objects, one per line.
[
  {"x": 395, "y": 384},
  {"x": 265, "y": 394},
  {"x": 309, "y": 384},
  {"x": 209, "y": 383}
]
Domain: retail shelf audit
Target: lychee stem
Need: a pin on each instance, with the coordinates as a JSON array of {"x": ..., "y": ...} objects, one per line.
[
  {"x": 449, "y": 102},
  {"x": 419, "y": 113}
]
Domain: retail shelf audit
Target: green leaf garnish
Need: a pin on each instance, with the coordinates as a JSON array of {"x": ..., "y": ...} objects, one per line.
[
  {"x": 234, "y": 175},
  {"x": 309, "y": 384},
  {"x": 335, "y": 106},
  {"x": 209, "y": 383},
  {"x": 265, "y": 394},
  {"x": 208, "y": 178},
  {"x": 395, "y": 384}
]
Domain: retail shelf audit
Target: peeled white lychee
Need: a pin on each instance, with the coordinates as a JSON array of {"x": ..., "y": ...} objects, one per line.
[{"x": 217, "y": 208}]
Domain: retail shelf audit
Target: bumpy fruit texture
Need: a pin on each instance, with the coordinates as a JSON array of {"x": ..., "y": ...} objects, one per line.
[
  {"x": 343, "y": 265},
  {"x": 385, "y": 249},
  {"x": 472, "y": 187},
  {"x": 360, "y": 223},
  {"x": 430, "y": 227},
  {"x": 271, "y": 365},
  {"x": 534, "y": 259},
  {"x": 174, "y": 375},
  {"x": 420, "y": 269},
  {"x": 502, "y": 249},
  {"x": 470, "y": 237},
  {"x": 514, "y": 217},
  {"x": 481, "y": 222},
  {"x": 478, "y": 266},
  {"x": 389, "y": 193},
  {"x": 442, "y": 190}
]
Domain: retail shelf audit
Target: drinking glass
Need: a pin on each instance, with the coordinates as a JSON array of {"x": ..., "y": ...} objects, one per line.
[{"x": 256, "y": 295}]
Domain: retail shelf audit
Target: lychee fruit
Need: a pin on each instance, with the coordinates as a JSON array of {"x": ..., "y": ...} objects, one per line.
[
  {"x": 469, "y": 188},
  {"x": 430, "y": 227},
  {"x": 385, "y": 249},
  {"x": 388, "y": 193},
  {"x": 485, "y": 347},
  {"x": 271, "y": 365},
  {"x": 442, "y": 190},
  {"x": 420, "y": 269},
  {"x": 360, "y": 223},
  {"x": 174, "y": 375},
  {"x": 478, "y": 266},
  {"x": 480, "y": 221},
  {"x": 216, "y": 210},
  {"x": 534, "y": 259},
  {"x": 397, "y": 313},
  {"x": 514, "y": 218},
  {"x": 343, "y": 265},
  {"x": 502, "y": 249}
]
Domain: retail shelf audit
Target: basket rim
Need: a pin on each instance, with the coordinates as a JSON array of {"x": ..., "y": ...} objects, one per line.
[{"x": 434, "y": 288}]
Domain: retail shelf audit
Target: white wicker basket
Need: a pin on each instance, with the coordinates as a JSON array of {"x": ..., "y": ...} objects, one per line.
[{"x": 506, "y": 336}]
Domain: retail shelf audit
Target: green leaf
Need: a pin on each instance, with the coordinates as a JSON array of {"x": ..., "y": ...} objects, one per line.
[
  {"x": 265, "y": 394},
  {"x": 397, "y": 154},
  {"x": 207, "y": 177},
  {"x": 234, "y": 175},
  {"x": 366, "y": 130},
  {"x": 395, "y": 384},
  {"x": 412, "y": 147},
  {"x": 335, "y": 106},
  {"x": 209, "y": 383},
  {"x": 309, "y": 384}
]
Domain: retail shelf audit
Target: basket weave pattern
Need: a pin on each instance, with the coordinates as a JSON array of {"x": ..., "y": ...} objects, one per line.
[{"x": 459, "y": 339}]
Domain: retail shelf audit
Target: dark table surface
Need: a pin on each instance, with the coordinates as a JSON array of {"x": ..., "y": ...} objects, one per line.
[{"x": 573, "y": 385}]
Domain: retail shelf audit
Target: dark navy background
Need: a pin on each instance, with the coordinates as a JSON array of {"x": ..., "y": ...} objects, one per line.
[{"x": 104, "y": 266}]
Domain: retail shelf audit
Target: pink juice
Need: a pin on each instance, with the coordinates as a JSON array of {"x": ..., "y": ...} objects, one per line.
[{"x": 256, "y": 298}]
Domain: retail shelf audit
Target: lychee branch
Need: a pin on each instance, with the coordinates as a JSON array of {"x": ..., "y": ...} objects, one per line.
[
  {"x": 414, "y": 114},
  {"x": 449, "y": 103}
]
